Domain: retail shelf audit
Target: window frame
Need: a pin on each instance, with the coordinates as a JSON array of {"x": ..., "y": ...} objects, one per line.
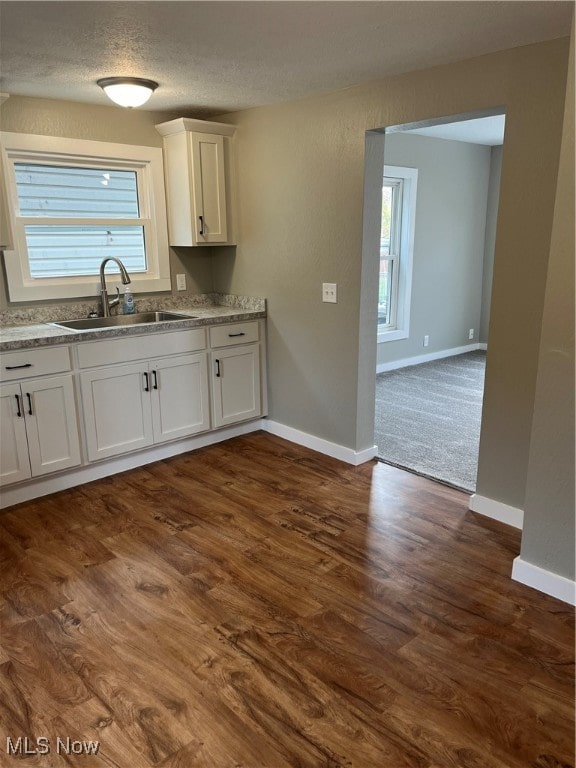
[
  {"x": 402, "y": 282},
  {"x": 147, "y": 162},
  {"x": 394, "y": 249}
]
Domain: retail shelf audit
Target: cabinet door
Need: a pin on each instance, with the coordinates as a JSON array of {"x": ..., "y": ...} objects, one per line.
[
  {"x": 14, "y": 462},
  {"x": 236, "y": 384},
  {"x": 51, "y": 424},
  {"x": 117, "y": 411},
  {"x": 209, "y": 182},
  {"x": 180, "y": 403}
]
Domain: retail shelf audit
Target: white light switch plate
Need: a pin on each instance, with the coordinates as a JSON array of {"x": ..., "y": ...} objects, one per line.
[
  {"x": 181, "y": 282},
  {"x": 330, "y": 293}
]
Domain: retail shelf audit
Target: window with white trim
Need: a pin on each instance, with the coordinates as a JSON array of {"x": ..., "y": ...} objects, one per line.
[
  {"x": 73, "y": 203},
  {"x": 389, "y": 252},
  {"x": 396, "y": 249}
]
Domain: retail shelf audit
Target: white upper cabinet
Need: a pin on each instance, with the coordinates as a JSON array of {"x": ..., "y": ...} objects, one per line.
[{"x": 198, "y": 174}]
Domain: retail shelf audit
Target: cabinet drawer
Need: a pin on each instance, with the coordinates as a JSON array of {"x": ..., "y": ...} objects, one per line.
[
  {"x": 230, "y": 335},
  {"x": 109, "y": 351},
  {"x": 34, "y": 362}
]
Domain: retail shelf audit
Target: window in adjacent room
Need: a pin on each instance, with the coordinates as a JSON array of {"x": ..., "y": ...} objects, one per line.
[
  {"x": 396, "y": 246},
  {"x": 389, "y": 252},
  {"x": 71, "y": 209}
]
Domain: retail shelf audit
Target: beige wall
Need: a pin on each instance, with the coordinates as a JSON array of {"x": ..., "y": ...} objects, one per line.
[
  {"x": 51, "y": 117},
  {"x": 47, "y": 117},
  {"x": 548, "y": 536},
  {"x": 300, "y": 185}
]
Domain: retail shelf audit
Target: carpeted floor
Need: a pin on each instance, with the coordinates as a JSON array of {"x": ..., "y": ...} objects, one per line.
[{"x": 428, "y": 418}]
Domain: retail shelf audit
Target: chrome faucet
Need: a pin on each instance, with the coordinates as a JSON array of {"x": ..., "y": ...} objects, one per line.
[{"x": 107, "y": 305}]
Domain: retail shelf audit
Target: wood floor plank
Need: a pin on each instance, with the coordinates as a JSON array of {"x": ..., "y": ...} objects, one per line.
[
  {"x": 255, "y": 604},
  {"x": 495, "y": 704},
  {"x": 150, "y": 726},
  {"x": 41, "y": 673}
]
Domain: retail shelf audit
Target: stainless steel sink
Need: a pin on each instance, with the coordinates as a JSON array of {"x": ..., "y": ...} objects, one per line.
[{"x": 90, "y": 323}]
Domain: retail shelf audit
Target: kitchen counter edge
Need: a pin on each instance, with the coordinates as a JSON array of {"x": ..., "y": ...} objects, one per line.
[{"x": 48, "y": 334}]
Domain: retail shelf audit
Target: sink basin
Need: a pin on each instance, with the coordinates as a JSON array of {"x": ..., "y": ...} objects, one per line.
[{"x": 90, "y": 323}]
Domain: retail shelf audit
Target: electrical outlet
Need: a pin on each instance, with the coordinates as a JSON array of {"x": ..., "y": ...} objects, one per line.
[
  {"x": 426, "y": 341},
  {"x": 471, "y": 333},
  {"x": 330, "y": 293},
  {"x": 180, "y": 282}
]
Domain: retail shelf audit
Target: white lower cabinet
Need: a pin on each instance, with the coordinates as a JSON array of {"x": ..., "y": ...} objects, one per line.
[
  {"x": 117, "y": 414},
  {"x": 127, "y": 407},
  {"x": 236, "y": 384},
  {"x": 38, "y": 428},
  {"x": 14, "y": 457},
  {"x": 180, "y": 402},
  {"x": 136, "y": 392}
]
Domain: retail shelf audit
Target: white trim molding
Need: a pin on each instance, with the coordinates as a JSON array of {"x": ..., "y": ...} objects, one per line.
[
  {"x": 34, "y": 489},
  {"x": 402, "y": 295},
  {"x": 544, "y": 581},
  {"x": 146, "y": 162},
  {"x": 336, "y": 451},
  {"x": 428, "y": 357},
  {"x": 43, "y": 486},
  {"x": 497, "y": 510}
]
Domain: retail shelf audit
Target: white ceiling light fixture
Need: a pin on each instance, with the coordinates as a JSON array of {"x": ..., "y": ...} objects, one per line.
[{"x": 127, "y": 91}]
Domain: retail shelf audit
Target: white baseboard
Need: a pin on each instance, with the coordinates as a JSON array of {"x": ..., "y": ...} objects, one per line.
[
  {"x": 428, "y": 357},
  {"x": 43, "y": 486},
  {"x": 544, "y": 581},
  {"x": 33, "y": 489},
  {"x": 349, "y": 455},
  {"x": 497, "y": 510}
]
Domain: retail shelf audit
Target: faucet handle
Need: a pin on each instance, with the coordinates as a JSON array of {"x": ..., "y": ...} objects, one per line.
[{"x": 117, "y": 299}]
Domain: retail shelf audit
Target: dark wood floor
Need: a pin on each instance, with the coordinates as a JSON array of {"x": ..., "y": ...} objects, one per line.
[{"x": 257, "y": 604}]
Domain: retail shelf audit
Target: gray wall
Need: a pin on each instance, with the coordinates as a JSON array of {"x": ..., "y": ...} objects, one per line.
[
  {"x": 448, "y": 241},
  {"x": 548, "y": 535},
  {"x": 300, "y": 189},
  {"x": 490, "y": 240},
  {"x": 300, "y": 170}
]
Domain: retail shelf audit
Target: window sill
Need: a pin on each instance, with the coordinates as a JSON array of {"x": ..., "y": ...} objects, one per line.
[
  {"x": 26, "y": 290},
  {"x": 392, "y": 335}
]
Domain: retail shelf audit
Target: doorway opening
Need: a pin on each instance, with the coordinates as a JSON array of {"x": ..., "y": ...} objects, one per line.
[{"x": 438, "y": 203}]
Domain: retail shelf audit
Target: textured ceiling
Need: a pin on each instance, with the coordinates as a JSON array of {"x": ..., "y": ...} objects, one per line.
[{"x": 216, "y": 57}]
